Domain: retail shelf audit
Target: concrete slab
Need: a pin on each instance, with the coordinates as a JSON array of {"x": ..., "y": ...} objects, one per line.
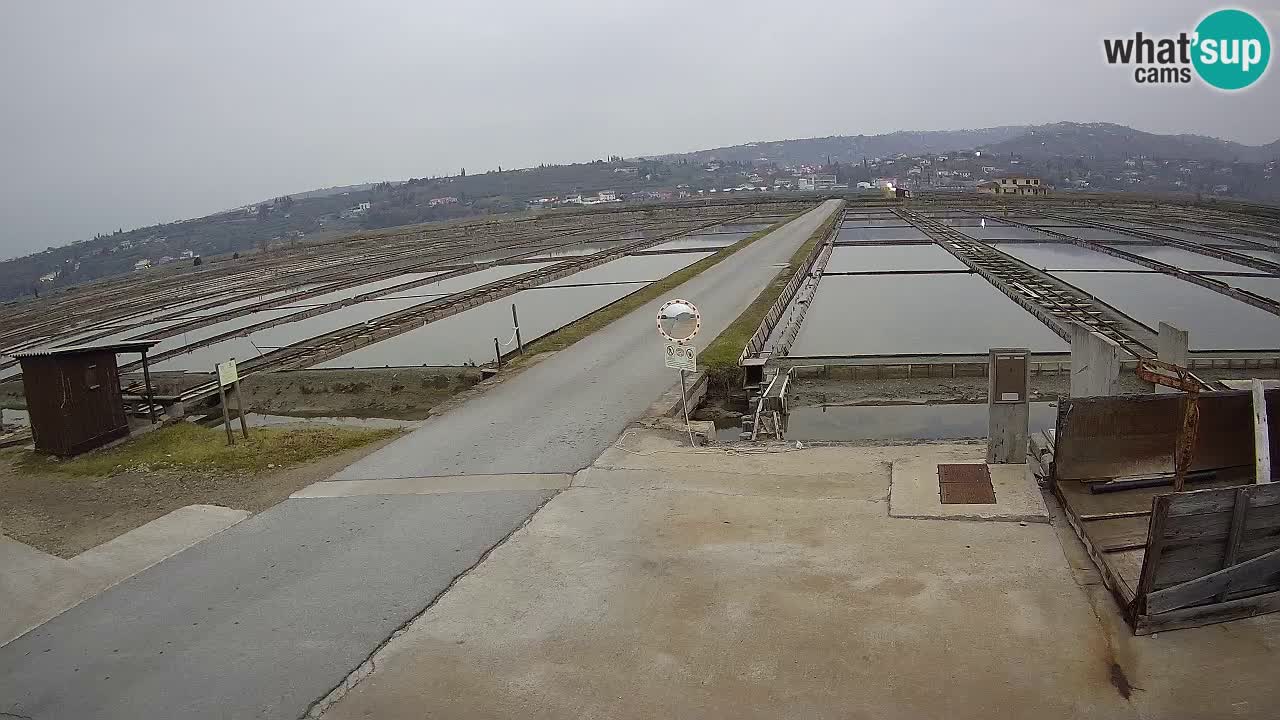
[
  {"x": 625, "y": 601},
  {"x": 435, "y": 485},
  {"x": 36, "y": 586},
  {"x": 914, "y": 492},
  {"x": 665, "y": 590},
  {"x": 163, "y": 537}
]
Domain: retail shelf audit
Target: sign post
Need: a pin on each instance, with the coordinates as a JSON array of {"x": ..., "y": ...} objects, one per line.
[
  {"x": 222, "y": 397},
  {"x": 678, "y": 322},
  {"x": 229, "y": 375}
]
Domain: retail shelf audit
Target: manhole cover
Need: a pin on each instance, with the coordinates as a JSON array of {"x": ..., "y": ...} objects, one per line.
[
  {"x": 965, "y": 484},
  {"x": 964, "y": 473}
]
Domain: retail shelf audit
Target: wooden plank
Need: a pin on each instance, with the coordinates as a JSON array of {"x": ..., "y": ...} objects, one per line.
[
  {"x": 1238, "y": 518},
  {"x": 1134, "y": 435},
  {"x": 1118, "y": 585},
  {"x": 1126, "y": 565},
  {"x": 1118, "y": 533},
  {"x": 1203, "y": 588},
  {"x": 1261, "y": 435},
  {"x": 1114, "y": 515},
  {"x": 1216, "y": 500},
  {"x": 1155, "y": 547},
  {"x": 1216, "y": 527},
  {"x": 1084, "y": 503},
  {"x": 1180, "y": 564},
  {"x": 1207, "y": 614}
]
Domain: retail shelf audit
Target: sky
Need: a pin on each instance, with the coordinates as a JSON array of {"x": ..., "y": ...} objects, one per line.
[{"x": 127, "y": 113}]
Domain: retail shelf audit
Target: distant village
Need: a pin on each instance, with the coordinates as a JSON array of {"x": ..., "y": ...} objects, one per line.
[
  {"x": 285, "y": 221},
  {"x": 962, "y": 171}
]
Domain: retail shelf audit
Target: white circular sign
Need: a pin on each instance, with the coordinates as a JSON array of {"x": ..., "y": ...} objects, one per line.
[{"x": 678, "y": 320}]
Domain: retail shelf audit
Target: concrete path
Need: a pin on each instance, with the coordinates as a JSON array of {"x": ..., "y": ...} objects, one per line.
[
  {"x": 272, "y": 614},
  {"x": 261, "y": 620},
  {"x": 36, "y": 586},
  {"x": 559, "y": 415},
  {"x": 676, "y": 583}
]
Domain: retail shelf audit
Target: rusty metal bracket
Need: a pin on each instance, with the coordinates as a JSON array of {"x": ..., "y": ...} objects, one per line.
[{"x": 1166, "y": 374}]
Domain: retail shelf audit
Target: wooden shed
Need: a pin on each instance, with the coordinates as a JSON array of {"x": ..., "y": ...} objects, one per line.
[{"x": 73, "y": 394}]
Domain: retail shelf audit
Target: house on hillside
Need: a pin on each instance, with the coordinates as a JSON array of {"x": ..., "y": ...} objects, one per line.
[
  {"x": 604, "y": 196},
  {"x": 142, "y": 264},
  {"x": 1014, "y": 185}
]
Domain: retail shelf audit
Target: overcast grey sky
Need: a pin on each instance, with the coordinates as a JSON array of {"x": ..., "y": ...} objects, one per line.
[{"x": 126, "y": 113}]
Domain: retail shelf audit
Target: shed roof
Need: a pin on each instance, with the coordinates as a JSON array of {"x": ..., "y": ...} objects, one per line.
[{"x": 125, "y": 346}]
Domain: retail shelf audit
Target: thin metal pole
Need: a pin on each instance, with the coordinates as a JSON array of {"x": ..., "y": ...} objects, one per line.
[
  {"x": 146, "y": 379},
  {"x": 497, "y": 352},
  {"x": 226, "y": 416},
  {"x": 516, "y": 321}
]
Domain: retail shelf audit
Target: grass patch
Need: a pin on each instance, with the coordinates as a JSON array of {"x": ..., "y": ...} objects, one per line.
[
  {"x": 187, "y": 446},
  {"x": 575, "y": 331},
  {"x": 720, "y": 357}
]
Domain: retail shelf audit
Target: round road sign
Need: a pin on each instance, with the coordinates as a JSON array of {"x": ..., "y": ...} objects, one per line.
[{"x": 678, "y": 320}]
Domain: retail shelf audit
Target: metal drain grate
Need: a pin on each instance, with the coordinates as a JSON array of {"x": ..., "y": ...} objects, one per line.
[{"x": 965, "y": 484}]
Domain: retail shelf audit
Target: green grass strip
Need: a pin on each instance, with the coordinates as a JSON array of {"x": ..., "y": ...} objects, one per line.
[
  {"x": 720, "y": 357},
  {"x": 187, "y": 446},
  {"x": 575, "y": 331}
]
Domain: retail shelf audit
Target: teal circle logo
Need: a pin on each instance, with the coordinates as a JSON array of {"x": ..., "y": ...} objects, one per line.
[{"x": 1232, "y": 49}]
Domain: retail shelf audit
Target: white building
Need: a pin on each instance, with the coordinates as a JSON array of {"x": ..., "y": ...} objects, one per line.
[
  {"x": 142, "y": 264},
  {"x": 815, "y": 182}
]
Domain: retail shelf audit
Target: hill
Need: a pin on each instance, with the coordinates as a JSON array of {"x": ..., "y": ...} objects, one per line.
[
  {"x": 1106, "y": 141},
  {"x": 1093, "y": 155},
  {"x": 1103, "y": 141},
  {"x": 853, "y": 148}
]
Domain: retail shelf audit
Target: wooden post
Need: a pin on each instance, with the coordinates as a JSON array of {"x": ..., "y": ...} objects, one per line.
[
  {"x": 226, "y": 416},
  {"x": 497, "y": 351},
  {"x": 146, "y": 378},
  {"x": 240, "y": 402},
  {"x": 244, "y": 424},
  {"x": 516, "y": 322},
  {"x": 1261, "y": 435}
]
